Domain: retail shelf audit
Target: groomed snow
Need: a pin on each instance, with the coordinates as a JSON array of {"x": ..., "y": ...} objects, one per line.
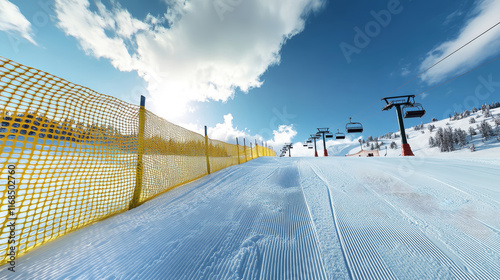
[
  {"x": 418, "y": 140},
  {"x": 297, "y": 218}
]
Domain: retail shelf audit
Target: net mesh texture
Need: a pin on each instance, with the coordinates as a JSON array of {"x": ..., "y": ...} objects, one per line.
[{"x": 76, "y": 156}]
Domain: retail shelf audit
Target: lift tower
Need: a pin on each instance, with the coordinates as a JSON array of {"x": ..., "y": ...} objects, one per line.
[
  {"x": 289, "y": 148},
  {"x": 412, "y": 110},
  {"x": 314, "y": 137},
  {"x": 326, "y": 134}
]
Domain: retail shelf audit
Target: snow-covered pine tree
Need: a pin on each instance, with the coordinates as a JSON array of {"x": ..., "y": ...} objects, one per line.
[
  {"x": 472, "y": 148},
  {"x": 472, "y": 120},
  {"x": 439, "y": 139},
  {"x": 460, "y": 137},
  {"x": 497, "y": 121},
  {"x": 393, "y": 145},
  {"x": 487, "y": 113},
  {"x": 432, "y": 142},
  {"x": 448, "y": 140},
  {"x": 444, "y": 139},
  {"x": 472, "y": 132},
  {"x": 486, "y": 130}
]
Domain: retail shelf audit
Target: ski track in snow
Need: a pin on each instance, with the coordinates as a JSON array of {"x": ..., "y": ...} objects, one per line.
[{"x": 306, "y": 218}]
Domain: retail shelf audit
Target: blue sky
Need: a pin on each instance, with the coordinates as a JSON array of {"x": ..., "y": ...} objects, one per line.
[{"x": 247, "y": 68}]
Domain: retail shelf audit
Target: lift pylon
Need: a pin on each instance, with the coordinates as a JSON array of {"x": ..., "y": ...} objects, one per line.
[
  {"x": 405, "y": 101},
  {"x": 289, "y": 147},
  {"x": 314, "y": 137},
  {"x": 326, "y": 134}
]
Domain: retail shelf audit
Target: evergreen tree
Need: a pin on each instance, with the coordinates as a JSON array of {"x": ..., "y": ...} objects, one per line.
[
  {"x": 497, "y": 121},
  {"x": 486, "y": 130},
  {"x": 472, "y": 148},
  {"x": 472, "y": 120},
  {"x": 393, "y": 145},
  {"x": 444, "y": 139},
  {"x": 487, "y": 113},
  {"x": 432, "y": 142},
  {"x": 472, "y": 132},
  {"x": 460, "y": 137},
  {"x": 448, "y": 140}
]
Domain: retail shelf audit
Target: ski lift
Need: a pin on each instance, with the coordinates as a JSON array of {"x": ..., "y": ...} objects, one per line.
[
  {"x": 339, "y": 135},
  {"x": 353, "y": 127},
  {"x": 309, "y": 141},
  {"x": 305, "y": 145},
  {"x": 414, "y": 110},
  {"x": 329, "y": 135},
  {"x": 310, "y": 147}
]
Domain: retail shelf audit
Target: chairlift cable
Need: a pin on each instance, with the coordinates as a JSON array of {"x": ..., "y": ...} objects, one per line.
[
  {"x": 441, "y": 60},
  {"x": 432, "y": 66},
  {"x": 458, "y": 76}
]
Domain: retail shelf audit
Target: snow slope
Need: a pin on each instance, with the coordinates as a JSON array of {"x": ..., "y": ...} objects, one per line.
[
  {"x": 418, "y": 141},
  {"x": 297, "y": 218}
]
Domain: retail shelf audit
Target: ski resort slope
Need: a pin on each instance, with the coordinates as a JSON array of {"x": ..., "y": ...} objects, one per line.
[{"x": 297, "y": 218}]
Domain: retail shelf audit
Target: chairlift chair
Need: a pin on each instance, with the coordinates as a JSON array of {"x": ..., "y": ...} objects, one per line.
[
  {"x": 414, "y": 110},
  {"x": 353, "y": 127},
  {"x": 339, "y": 135},
  {"x": 329, "y": 135},
  {"x": 310, "y": 147}
]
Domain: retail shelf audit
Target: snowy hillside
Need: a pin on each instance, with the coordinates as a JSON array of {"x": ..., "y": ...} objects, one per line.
[
  {"x": 297, "y": 218},
  {"x": 419, "y": 140}
]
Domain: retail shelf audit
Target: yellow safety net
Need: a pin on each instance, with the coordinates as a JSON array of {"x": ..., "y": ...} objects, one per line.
[{"x": 72, "y": 156}]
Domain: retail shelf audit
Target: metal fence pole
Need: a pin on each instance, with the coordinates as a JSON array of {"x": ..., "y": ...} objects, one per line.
[
  {"x": 238, "y": 149},
  {"x": 206, "y": 150},
  {"x": 245, "y": 149},
  {"x": 136, "y": 198},
  {"x": 251, "y": 151},
  {"x": 257, "y": 147}
]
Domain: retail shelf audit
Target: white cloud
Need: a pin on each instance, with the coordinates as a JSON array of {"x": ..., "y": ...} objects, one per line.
[
  {"x": 405, "y": 71},
  {"x": 451, "y": 17},
  {"x": 226, "y": 131},
  {"x": 199, "y": 56},
  {"x": 485, "y": 16},
  {"x": 284, "y": 134},
  {"x": 13, "y": 21}
]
